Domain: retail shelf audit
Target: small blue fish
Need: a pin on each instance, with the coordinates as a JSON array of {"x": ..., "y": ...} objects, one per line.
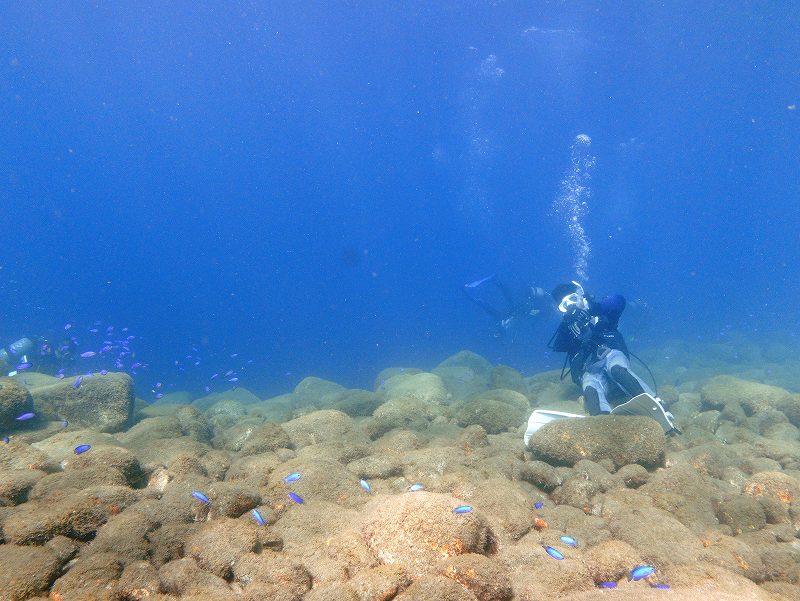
[
  {"x": 415, "y": 487},
  {"x": 6, "y": 439},
  {"x": 60, "y": 376},
  {"x": 88, "y": 354},
  {"x": 103, "y": 372},
  {"x": 64, "y": 424},
  {"x": 296, "y": 498},
  {"x": 640, "y": 572},
  {"x": 25, "y": 417},
  {"x": 257, "y": 517},
  {"x": 24, "y": 366},
  {"x": 159, "y": 395},
  {"x": 554, "y": 553},
  {"x": 77, "y": 383},
  {"x": 293, "y": 477},
  {"x": 200, "y": 496},
  {"x": 568, "y": 540},
  {"x": 83, "y": 448},
  {"x": 538, "y": 505},
  {"x": 477, "y": 283},
  {"x": 663, "y": 587},
  {"x": 607, "y": 585},
  {"x": 463, "y": 509},
  {"x": 365, "y": 485}
]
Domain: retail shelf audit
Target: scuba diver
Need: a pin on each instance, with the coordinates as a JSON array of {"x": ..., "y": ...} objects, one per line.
[
  {"x": 15, "y": 353},
  {"x": 530, "y": 302},
  {"x": 598, "y": 357},
  {"x": 38, "y": 354}
]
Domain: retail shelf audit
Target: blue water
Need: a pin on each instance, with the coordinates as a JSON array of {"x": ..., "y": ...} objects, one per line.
[{"x": 309, "y": 185}]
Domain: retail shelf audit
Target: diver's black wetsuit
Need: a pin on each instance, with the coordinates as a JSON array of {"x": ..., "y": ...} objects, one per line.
[
  {"x": 596, "y": 352},
  {"x": 530, "y": 303}
]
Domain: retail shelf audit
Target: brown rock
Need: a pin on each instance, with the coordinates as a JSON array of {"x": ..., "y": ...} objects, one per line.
[
  {"x": 280, "y": 572},
  {"x": 14, "y": 401},
  {"x": 89, "y": 579},
  {"x": 268, "y": 437},
  {"x": 16, "y": 484},
  {"x": 611, "y": 560},
  {"x": 382, "y": 582},
  {"x": 218, "y": 545},
  {"x": 416, "y": 530},
  {"x": 436, "y": 588},
  {"x": 623, "y": 440},
  {"x": 103, "y": 403},
  {"x": 125, "y": 535},
  {"x": 183, "y": 576},
  {"x": 77, "y": 516},
  {"x": 319, "y": 426},
  {"x": 486, "y": 579},
  {"x": 139, "y": 582},
  {"x": 26, "y": 571}
]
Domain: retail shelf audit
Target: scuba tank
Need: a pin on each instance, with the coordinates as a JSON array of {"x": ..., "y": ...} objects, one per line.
[{"x": 17, "y": 349}]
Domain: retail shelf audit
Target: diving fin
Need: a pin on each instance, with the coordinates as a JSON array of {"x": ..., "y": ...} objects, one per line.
[{"x": 644, "y": 404}]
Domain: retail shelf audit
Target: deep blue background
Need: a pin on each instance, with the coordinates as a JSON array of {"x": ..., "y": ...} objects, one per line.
[{"x": 309, "y": 184}]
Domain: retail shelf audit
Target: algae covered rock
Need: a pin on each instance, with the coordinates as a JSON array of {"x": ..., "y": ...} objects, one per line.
[
  {"x": 406, "y": 413},
  {"x": 508, "y": 378},
  {"x": 418, "y": 529},
  {"x": 495, "y": 410},
  {"x": 26, "y": 571},
  {"x": 425, "y": 387},
  {"x": 219, "y": 544},
  {"x": 486, "y": 579},
  {"x": 14, "y": 401},
  {"x": 102, "y": 402},
  {"x": 720, "y": 391},
  {"x": 623, "y": 440},
  {"x": 317, "y": 392},
  {"x": 318, "y": 427}
]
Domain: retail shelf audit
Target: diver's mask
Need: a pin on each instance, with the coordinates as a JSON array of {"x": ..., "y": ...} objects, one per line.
[{"x": 573, "y": 301}]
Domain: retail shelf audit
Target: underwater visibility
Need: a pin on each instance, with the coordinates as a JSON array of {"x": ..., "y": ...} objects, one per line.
[{"x": 475, "y": 301}]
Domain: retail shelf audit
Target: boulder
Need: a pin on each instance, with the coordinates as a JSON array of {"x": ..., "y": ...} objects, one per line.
[
  {"x": 425, "y": 387},
  {"x": 623, "y": 440},
  {"x": 218, "y": 545},
  {"x": 14, "y": 401},
  {"x": 406, "y": 413},
  {"x": 276, "y": 576},
  {"x": 778, "y": 485},
  {"x": 488, "y": 580},
  {"x": 317, "y": 392},
  {"x": 508, "y": 378},
  {"x": 103, "y": 403},
  {"x": 91, "y": 578},
  {"x": 720, "y": 391},
  {"x": 358, "y": 402},
  {"x": 495, "y": 410},
  {"x": 416, "y": 530},
  {"x": 319, "y": 427},
  {"x": 16, "y": 484},
  {"x": 26, "y": 571}
]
